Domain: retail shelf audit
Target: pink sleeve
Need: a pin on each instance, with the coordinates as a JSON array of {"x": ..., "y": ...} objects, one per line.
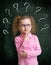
[
  {"x": 35, "y": 50},
  {"x": 17, "y": 43}
]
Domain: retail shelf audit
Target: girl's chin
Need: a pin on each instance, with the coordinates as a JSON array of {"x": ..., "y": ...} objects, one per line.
[{"x": 25, "y": 33}]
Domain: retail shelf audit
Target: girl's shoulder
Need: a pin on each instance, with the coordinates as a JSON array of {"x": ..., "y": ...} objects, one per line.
[
  {"x": 17, "y": 37},
  {"x": 35, "y": 36}
]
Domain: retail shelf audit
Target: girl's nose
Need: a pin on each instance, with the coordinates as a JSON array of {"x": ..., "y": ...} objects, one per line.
[{"x": 26, "y": 27}]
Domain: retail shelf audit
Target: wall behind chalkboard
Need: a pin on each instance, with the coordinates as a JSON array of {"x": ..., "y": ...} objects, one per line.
[{"x": 41, "y": 10}]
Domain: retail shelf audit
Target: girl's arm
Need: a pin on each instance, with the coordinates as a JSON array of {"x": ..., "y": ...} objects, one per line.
[
  {"x": 17, "y": 43},
  {"x": 35, "y": 51}
]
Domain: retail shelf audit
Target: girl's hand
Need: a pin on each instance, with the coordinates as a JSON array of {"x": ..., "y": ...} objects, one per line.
[
  {"x": 26, "y": 37},
  {"x": 23, "y": 54}
]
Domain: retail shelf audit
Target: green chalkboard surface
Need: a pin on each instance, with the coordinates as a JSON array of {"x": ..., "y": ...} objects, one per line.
[{"x": 41, "y": 11}]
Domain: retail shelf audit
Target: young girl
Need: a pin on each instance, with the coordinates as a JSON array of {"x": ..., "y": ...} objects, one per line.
[{"x": 27, "y": 43}]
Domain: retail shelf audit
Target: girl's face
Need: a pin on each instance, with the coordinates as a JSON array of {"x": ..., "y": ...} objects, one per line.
[{"x": 25, "y": 26}]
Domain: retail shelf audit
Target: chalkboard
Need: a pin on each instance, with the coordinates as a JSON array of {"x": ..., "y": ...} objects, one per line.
[{"x": 39, "y": 9}]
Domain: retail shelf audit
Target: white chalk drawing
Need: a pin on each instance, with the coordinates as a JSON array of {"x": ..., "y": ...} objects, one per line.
[
  {"x": 26, "y": 4},
  {"x": 44, "y": 16},
  {"x": 15, "y": 5},
  {"x": 5, "y": 32},
  {"x": 8, "y": 11},
  {"x": 5, "y": 20},
  {"x": 38, "y": 8},
  {"x": 45, "y": 27}
]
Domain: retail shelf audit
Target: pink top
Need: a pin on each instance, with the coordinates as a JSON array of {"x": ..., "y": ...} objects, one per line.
[{"x": 31, "y": 46}]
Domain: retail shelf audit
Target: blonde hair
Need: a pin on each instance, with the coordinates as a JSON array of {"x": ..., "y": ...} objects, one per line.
[{"x": 16, "y": 22}]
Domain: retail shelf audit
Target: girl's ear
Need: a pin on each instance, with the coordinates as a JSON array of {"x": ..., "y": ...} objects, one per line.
[
  {"x": 31, "y": 26},
  {"x": 18, "y": 28}
]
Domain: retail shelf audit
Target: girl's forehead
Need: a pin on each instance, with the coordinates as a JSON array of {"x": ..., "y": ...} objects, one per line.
[{"x": 26, "y": 20}]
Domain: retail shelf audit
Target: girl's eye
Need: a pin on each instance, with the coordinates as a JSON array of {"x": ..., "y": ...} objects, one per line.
[{"x": 23, "y": 25}]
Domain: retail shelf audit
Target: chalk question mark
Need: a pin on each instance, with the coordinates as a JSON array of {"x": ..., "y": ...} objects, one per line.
[
  {"x": 43, "y": 17},
  {"x": 45, "y": 27},
  {"x": 27, "y": 5},
  {"x": 8, "y": 11},
  {"x": 5, "y": 32},
  {"x": 15, "y": 5},
  {"x": 5, "y": 20},
  {"x": 37, "y": 10}
]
